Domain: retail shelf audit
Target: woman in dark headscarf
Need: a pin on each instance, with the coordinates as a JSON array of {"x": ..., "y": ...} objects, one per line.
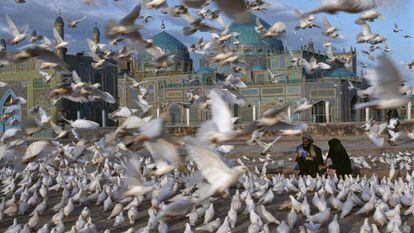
[{"x": 339, "y": 159}]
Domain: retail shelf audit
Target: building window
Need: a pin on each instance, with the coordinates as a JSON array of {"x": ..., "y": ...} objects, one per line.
[
  {"x": 282, "y": 61},
  {"x": 273, "y": 63},
  {"x": 193, "y": 114},
  {"x": 161, "y": 84},
  {"x": 175, "y": 115},
  {"x": 248, "y": 52},
  {"x": 209, "y": 80},
  {"x": 318, "y": 112},
  {"x": 259, "y": 79},
  {"x": 4, "y": 102}
]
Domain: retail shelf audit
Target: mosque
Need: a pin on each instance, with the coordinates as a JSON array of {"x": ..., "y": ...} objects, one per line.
[
  {"x": 327, "y": 89},
  {"x": 24, "y": 80}
]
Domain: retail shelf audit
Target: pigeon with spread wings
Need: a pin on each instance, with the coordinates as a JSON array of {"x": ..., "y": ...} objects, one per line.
[
  {"x": 386, "y": 81},
  {"x": 215, "y": 171}
]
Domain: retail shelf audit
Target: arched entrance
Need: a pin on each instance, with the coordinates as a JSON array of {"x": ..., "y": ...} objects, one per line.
[
  {"x": 5, "y": 101},
  {"x": 318, "y": 112},
  {"x": 175, "y": 114}
]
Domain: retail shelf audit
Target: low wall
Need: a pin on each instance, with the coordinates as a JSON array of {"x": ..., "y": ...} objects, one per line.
[{"x": 338, "y": 129}]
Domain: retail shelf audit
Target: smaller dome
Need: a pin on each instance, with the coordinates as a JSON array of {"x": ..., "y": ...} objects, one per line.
[
  {"x": 59, "y": 21},
  {"x": 258, "y": 68},
  {"x": 341, "y": 73},
  {"x": 206, "y": 70}
]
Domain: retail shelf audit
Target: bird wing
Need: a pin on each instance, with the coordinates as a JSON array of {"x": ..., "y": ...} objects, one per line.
[
  {"x": 326, "y": 23},
  {"x": 155, "y": 51},
  {"x": 43, "y": 74},
  {"x": 278, "y": 27},
  {"x": 313, "y": 61},
  {"x": 80, "y": 20},
  {"x": 94, "y": 56},
  {"x": 42, "y": 113},
  {"x": 161, "y": 149},
  {"x": 58, "y": 38},
  {"x": 132, "y": 166},
  {"x": 324, "y": 66},
  {"x": 351, "y": 85},
  {"x": 46, "y": 55},
  {"x": 299, "y": 14},
  {"x": 284, "y": 126},
  {"x": 305, "y": 64},
  {"x": 273, "y": 112},
  {"x": 153, "y": 128},
  {"x": 221, "y": 114},
  {"x": 235, "y": 9},
  {"x": 57, "y": 129},
  {"x": 142, "y": 90},
  {"x": 75, "y": 77},
  {"x": 269, "y": 71},
  {"x": 258, "y": 22},
  {"x": 208, "y": 162},
  {"x": 291, "y": 54},
  {"x": 366, "y": 29},
  {"x": 92, "y": 45},
  {"x": 134, "y": 82},
  {"x": 12, "y": 26},
  {"x": 34, "y": 149},
  {"x": 84, "y": 124},
  {"x": 194, "y": 3},
  {"x": 385, "y": 78},
  {"x": 131, "y": 16}
]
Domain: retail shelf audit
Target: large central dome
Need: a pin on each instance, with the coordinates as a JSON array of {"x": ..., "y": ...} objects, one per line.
[{"x": 249, "y": 37}]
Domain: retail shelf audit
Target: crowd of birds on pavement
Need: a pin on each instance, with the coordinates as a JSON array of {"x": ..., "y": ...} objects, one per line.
[{"x": 110, "y": 172}]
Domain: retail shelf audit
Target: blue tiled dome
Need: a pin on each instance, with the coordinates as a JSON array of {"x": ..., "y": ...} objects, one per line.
[
  {"x": 171, "y": 45},
  {"x": 258, "y": 68},
  {"x": 206, "y": 70},
  {"x": 341, "y": 73},
  {"x": 249, "y": 36}
]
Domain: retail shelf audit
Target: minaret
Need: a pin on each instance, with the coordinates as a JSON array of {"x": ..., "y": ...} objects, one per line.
[
  {"x": 2, "y": 43},
  {"x": 162, "y": 25},
  {"x": 60, "y": 106},
  {"x": 310, "y": 47},
  {"x": 96, "y": 34},
  {"x": 59, "y": 26}
]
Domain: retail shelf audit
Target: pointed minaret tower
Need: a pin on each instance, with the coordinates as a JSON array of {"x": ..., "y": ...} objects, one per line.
[
  {"x": 162, "y": 25},
  {"x": 59, "y": 26},
  {"x": 2, "y": 43},
  {"x": 310, "y": 47},
  {"x": 96, "y": 34}
]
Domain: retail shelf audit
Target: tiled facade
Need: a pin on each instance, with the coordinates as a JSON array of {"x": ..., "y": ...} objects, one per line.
[
  {"x": 261, "y": 94},
  {"x": 24, "y": 80}
]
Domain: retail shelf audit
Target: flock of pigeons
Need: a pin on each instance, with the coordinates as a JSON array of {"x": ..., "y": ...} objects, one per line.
[{"x": 111, "y": 171}]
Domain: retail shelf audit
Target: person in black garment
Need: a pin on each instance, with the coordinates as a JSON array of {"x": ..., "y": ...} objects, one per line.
[
  {"x": 338, "y": 159},
  {"x": 309, "y": 157}
]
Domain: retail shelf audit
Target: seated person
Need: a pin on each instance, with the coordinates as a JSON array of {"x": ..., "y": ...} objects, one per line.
[
  {"x": 338, "y": 159},
  {"x": 308, "y": 157}
]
